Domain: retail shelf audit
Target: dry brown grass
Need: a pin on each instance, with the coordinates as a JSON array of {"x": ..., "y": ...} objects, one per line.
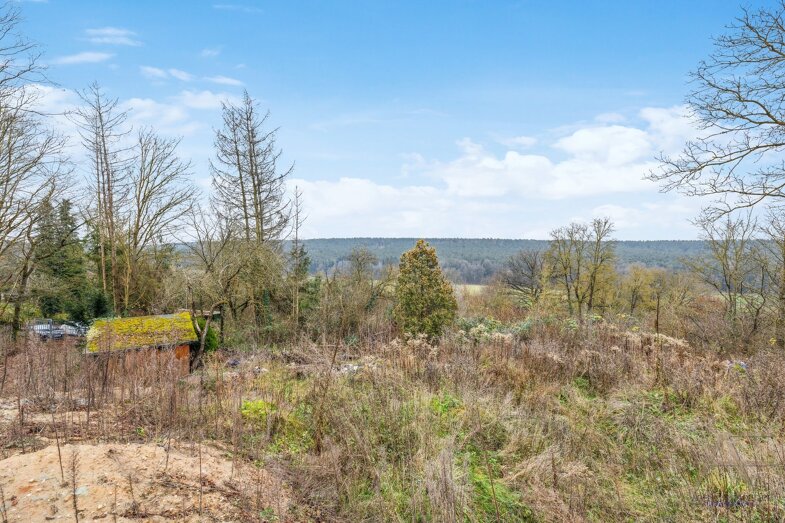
[{"x": 593, "y": 424}]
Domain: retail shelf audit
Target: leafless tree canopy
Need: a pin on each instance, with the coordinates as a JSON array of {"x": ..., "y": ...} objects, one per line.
[
  {"x": 737, "y": 269},
  {"x": 523, "y": 273},
  {"x": 102, "y": 127},
  {"x": 247, "y": 180},
  {"x": 19, "y": 61},
  {"x": 578, "y": 257},
  {"x": 32, "y": 163},
  {"x": 738, "y": 103},
  {"x": 161, "y": 191}
]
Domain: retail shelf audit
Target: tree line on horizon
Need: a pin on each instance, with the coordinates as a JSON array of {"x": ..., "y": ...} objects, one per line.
[{"x": 476, "y": 260}]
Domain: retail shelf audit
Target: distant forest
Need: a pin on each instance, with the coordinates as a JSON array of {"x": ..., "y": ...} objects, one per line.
[{"x": 476, "y": 260}]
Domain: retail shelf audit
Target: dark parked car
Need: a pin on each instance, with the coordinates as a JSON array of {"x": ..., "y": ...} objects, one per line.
[
  {"x": 47, "y": 329},
  {"x": 74, "y": 328},
  {"x": 50, "y": 330}
]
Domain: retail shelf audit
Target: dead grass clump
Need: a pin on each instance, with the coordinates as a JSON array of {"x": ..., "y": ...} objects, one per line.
[{"x": 759, "y": 385}]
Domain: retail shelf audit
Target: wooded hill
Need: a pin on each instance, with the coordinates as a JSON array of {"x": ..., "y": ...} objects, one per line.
[{"x": 474, "y": 260}]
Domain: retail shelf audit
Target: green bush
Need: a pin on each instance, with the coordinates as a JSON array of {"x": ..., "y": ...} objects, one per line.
[
  {"x": 257, "y": 411},
  {"x": 211, "y": 341},
  {"x": 426, "y": 302}
]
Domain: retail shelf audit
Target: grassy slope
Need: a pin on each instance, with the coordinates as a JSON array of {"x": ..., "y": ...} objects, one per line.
[
  {"x": 490, "y": 433},
  {"x": 542, "y": 423}
]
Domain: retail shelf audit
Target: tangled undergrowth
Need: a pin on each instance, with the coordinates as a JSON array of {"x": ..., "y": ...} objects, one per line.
[{"x": 537, "y": 424}]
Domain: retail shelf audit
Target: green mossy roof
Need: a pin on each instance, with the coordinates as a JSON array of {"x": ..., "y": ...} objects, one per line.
[{"x": 114, "y": 334}]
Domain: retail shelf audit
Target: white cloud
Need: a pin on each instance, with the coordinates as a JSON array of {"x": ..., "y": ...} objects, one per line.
[
  {"x": 610, "y": 118},
  {"x": 385, "y": 210},
  {"x": 210, "y": 52},
  {"x": 87, "y": 57},
  {"x": 148, "y": 111},
  {"x": 152, "y": 72},
  {"x": 185, "y": 114},
  {"x": 55, "y": 102},
  {"x": 597, "y": 163},
  {"x": 170, "y": 117},
  {"x": 668, "y": 216},
  {"x": 181, "y": 75},
  {"x": 590, "y": 170},
  {"x": 176, "y": 115},
  {"x": 224, "y": 80},
  {"x": 597, "y": 160},
  {"x": 670, "y": 126},
  {"x": 351, "y": 207},
  {"x": 204, "y": 99},
  {"x": 612, "y": 145},
  {"x": 112, "y": 36},
  {"x": 519, "y": 142},
  {"x": 156, "y": 73}
]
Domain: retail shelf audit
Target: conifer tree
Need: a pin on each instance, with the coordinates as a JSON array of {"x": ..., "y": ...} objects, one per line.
[
  {"x": 60, "y": 262},
  {"x": 426, "y": 302}
]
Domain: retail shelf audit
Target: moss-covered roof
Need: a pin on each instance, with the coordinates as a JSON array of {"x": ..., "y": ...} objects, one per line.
[{"x": 114, "y": 334}]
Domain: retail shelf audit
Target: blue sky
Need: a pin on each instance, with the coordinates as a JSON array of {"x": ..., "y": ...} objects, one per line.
[{"x": 460, "y": 118}]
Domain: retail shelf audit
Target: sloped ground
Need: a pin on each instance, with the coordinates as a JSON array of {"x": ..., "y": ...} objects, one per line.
[
  {"x": 136, "y": 482},
  {"x": 562, "y": 426}
]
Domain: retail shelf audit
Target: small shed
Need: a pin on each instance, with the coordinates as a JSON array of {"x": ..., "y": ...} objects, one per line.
[{"x": 163, "y": 341}]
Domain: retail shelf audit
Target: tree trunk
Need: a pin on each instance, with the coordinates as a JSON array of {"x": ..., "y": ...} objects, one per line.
[
  {"x": 780, "y": 326},
  {"x": 221, "y": 312},
  {"x": 16, "y": 322}
]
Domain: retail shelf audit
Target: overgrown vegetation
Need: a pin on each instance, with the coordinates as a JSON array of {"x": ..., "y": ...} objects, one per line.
[
  {"x": 607, "y": 426},
  {"x": 571, "y": 387}
]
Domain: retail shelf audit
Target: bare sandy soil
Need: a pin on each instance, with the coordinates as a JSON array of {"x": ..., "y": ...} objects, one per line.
[{"x": 136, "y": 482}]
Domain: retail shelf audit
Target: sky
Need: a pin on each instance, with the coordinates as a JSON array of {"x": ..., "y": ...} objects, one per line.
[{"x": 486, "y": 118}]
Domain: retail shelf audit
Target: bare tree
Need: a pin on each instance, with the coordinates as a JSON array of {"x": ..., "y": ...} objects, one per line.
[
  {"x": 578, "y": 257},
  {"x": 602, "y": 252},
  {"x": 735, "y": 268},
  {"x": 249, "y": 189},
  {"x": 101, "y": 125},
  {"x": 29, "y": 153},
  {"x": 566, "y": 259},
  {"x": 220, "y": 257},
  {"x": 298, "y": 257},
  {"x": 739, "y": 107},
  {"x": 523, "y": 274},
  {"x": 29, "y": 252},
  {"x": 19, "y": 57},
  {"x": 774, "y": 246},
  {"x": 738, "y": 104},
  {"x": 247, "y": 181},
  {"x": 636, "y": 286},
  {"x": 160, "y": 193},
  {"x": 30, "y": 159},
  {"x": 32, "y": 167}
]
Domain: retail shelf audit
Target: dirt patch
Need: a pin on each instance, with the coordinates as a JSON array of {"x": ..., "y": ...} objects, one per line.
[{"x": 136, "y": 482}]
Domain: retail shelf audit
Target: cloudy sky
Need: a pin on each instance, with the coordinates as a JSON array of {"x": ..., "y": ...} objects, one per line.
[{"x": 501, "y": 118}]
